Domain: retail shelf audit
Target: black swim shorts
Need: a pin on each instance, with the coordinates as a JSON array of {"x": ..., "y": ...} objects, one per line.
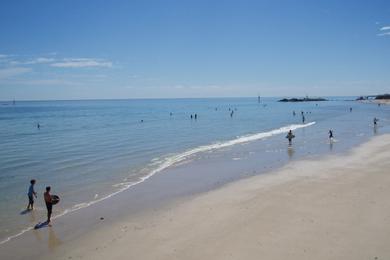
[{"x": 49, "y": 207}]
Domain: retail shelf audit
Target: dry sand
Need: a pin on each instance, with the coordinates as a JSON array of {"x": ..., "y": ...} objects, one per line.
[
  {"x": 383, "y": 101},
  {"x": 378, "y": 101},
  {"x": 333, "y": 208}
]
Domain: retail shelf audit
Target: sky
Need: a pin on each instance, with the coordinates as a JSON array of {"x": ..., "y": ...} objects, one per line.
[{"x": 175, "y": 49}]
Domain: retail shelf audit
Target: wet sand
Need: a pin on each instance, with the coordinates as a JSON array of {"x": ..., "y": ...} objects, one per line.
[{"x": 331, "y": 208}]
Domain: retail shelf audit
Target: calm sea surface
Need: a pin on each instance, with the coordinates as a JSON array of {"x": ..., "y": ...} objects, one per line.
[{"x": 87, "y": 150}]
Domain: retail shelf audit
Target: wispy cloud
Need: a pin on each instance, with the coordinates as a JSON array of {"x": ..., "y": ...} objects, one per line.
[
  {"x": 4, "y": 58},
  {"x": 13, "y": 71},
  {"x": 17, "y": 61},
  {"x": 384, "y": 34},
  {"x": 39, "y": 60},
  {"x": 42, "y": 60},
  {"x": 82, "y": 63},
  {"x": 384, "y": 31},
  {"x": 46, "y": 82}
]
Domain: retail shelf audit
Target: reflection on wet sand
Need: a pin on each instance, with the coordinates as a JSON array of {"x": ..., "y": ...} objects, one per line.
[
  {"x": 33, "y": 216},
  {"x": 290, "y": 152},
  {"x": 37, "y": 235},
  {"x": 53, "y": 240}
]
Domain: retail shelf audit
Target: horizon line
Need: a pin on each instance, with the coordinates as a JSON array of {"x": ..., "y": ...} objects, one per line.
[{"x": 166, "y": 98}]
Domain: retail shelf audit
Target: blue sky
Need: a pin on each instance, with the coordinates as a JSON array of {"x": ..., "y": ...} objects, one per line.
[{"x": 161, "y": 49}]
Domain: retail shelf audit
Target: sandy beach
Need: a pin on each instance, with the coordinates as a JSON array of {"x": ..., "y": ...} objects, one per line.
[
  {"x": 383, "y": 101},
  {"x": 331, "y": 208},
  {"x": 378, "y": 101}
]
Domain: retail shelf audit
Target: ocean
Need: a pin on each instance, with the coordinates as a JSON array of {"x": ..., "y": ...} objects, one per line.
[{"x": 89, "y": 150}]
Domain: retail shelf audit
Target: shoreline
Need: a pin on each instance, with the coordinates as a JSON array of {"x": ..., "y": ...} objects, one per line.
[
  {"x": 166, "y": 165},
  {"x": 303, "y": 211},
  {"x": 214, "y": 223}
]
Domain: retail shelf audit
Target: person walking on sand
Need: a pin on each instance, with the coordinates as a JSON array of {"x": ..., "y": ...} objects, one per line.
[
  {"x": 31, "y": 193},
  {"x": 375, "y": 121},
  {"x": 290, "y": 136},
  {"x": 48, "y": 202}
]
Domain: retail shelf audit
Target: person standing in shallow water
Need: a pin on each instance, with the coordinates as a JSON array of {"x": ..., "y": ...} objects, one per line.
[
  {"x": 290, "y": 136},
  {"x": 330, "y": 134},
  {"x": 49, "y": 204},
  {"x": 31, "y": 193}
]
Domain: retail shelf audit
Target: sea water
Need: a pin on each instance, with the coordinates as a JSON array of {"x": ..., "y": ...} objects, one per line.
[{"x": 91, "y": 149}]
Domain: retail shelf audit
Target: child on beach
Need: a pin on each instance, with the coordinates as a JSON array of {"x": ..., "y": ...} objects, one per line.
[
  {"x": 290, "y": 136},
  {"x": 49, "y": 204},
  {"x": 31, "y": 193}
]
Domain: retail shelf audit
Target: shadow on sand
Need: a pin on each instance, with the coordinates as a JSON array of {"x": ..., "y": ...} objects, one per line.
[
  {"x": 42, "y": 225},
  {"x": 24, "y": 212}
]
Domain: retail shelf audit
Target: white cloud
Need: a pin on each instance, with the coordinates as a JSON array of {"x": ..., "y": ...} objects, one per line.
[
  {"x": 384, "y": 34},
  {"x": 46, "y": 82},
  {"x": 384, "y": 28},
  {"x": 82, "y": 63},
  {"x": 39, "y": 60},
  {"x": 4, "y": 58},
  {"x": 55, "y": 62},
  {"x": 14, "y": 71},
  {"x": 43, "y": 60}
]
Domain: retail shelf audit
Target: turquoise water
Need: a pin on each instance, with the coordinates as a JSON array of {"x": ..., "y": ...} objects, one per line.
[{"x": 87, "y": 150}]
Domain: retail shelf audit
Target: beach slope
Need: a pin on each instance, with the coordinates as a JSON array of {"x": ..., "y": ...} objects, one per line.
[{"x": 330, "y": 208}]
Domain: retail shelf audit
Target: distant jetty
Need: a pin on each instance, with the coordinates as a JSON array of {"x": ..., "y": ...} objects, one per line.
[
  {"x": 384, "y": 96},
  {"x": 305, "y": 99},
  {"x": 376, "y": 97}
]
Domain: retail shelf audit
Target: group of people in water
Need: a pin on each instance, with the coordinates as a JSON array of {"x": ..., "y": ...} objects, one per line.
[
  {"x": 302, "y": 115},
  {"x": 195, "y": 116},
  {"x": 291, "y": 136},
  {"x": 46, "y": 196}
]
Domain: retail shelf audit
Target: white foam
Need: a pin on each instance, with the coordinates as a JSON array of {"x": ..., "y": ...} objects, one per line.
[{"x": 172, "y": 160}]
